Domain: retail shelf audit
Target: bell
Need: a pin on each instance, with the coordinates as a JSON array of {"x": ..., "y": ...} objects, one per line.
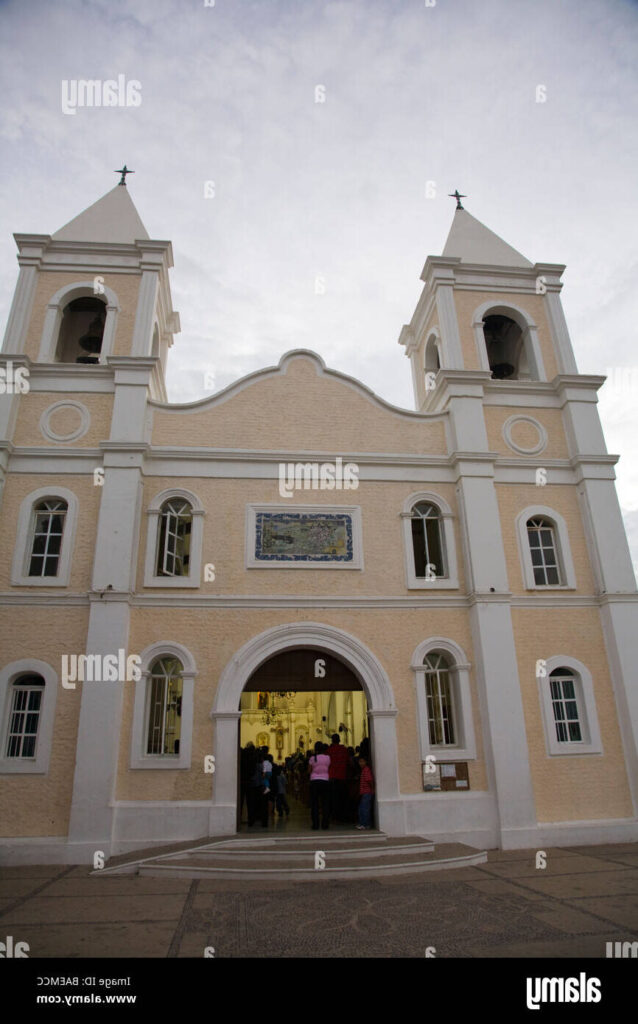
[
  {"x": 92, "y": 340},
  {"x": 502, "y": 370}
]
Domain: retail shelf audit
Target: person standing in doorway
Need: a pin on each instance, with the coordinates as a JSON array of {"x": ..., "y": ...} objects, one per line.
[
  {"x": 338, "y": 755},
  {"x": 366, "y": 793},
  {"x": 319, "y": 765}
]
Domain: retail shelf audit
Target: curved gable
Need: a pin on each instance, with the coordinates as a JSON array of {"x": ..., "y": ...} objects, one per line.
[{"x": 298, "y": 405}]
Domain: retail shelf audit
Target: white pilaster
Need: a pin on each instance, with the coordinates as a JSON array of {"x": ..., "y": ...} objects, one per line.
[
  {"x": 92, "y": 809},
  {"x": 147, "y": 298},
  {"x": 560, "y": 333},
  {"x": 223, "y": 813},
  {"x": 448, "y": 325},
  {"x": 620, "y": 629},
  {"x": 383, "y": 741},
  {"x": 31, "y": 248}
]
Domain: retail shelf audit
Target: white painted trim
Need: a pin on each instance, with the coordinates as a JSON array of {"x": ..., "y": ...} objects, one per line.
[
  {"x": 44, "y": 742},
  {"x": 528, "y": 326},
  {"x": 451, "y": 579},
  {"x": 45, "y": 421},
  {"x": 507, "y": 435},
  {"x": 139, "y": 731},
  {"x": 586, "y": 701},
  {"x": 561, "y": 536},
  {"x": 22, "y": 551},
  {"x": 21, "y": 307},
  {"x": 53, "y": 318},
  {"x": 290, "y": 636},
  {"x": 251, "y": 562},
  {"x": 465, "y": 748},
  {"x": 197, "y": 535}
]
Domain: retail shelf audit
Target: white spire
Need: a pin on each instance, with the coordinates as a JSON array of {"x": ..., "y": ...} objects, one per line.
[
  {"x": 474, "y": 243},
  {"x": 113, "y": 218}
]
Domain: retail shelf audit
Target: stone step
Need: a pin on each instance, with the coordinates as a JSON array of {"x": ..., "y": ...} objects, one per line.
[
  {"x": 300, "y": 866},
  {"x": 286, "y": 849}
]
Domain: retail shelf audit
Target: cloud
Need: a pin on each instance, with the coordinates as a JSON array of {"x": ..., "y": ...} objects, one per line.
[{"x": 306, "y": 189}]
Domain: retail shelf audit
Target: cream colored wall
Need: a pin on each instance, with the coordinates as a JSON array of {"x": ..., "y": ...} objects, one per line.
[
  {"x": 17, "y": 487},
  {"x": 300, "y": 411},
  {"x": 125, "y": 286},
  {"x": 214, "y": 636},
  {"x": 513, "y": 498},
  {"x": 468, "y": 301},
  {"x": 571, "y": 788},
  {"x": 34, "y": 404},
  {"x": 525, "y": 434},
  {"x": 39, "y": 805},
  {"x": 225, "y": 501}
]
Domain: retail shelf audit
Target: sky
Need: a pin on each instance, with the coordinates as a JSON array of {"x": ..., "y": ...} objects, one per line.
[{"x": 299, "y": 155}]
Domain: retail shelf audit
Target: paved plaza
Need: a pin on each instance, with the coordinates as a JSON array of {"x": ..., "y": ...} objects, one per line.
[{"x": 584, "y": 898}]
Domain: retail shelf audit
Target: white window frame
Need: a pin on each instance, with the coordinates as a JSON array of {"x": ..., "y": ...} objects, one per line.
[
  {"x": 141, "y": 708},
  {"x": 8, "y": 675},
  {"x": 587, "y": 714},
  {"x": 152, "y": 536},
  {"x": 414, "y": 582},
  {"x": 463, "y": 719},
  {"x": 563, "y": 551},
  {"x": 24, "y": 539}
]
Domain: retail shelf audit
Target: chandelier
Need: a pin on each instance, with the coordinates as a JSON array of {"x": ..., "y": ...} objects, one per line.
[{"x": 273, "y": 713}]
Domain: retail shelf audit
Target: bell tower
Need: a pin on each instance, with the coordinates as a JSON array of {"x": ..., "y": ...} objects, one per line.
[
  {"x": 96, "y": 289},
  {"x": 90, "y": 327},
  {"x": 489, "y": 346}
]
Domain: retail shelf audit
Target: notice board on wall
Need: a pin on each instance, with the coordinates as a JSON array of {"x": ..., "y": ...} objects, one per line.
[{"x": 455, "y": 775}]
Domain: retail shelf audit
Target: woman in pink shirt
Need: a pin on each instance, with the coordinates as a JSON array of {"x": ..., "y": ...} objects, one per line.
[{"x": 320, "y": 786}]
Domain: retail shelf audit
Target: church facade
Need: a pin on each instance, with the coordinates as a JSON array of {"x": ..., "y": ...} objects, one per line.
[{"x": 462, "y": 568}]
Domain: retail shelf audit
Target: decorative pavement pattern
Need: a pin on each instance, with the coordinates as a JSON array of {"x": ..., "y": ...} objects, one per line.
[{"x": 585, "y": 897}]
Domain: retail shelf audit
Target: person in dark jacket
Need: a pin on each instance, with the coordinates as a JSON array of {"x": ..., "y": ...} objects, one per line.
[{"x": 339, "y": 758}]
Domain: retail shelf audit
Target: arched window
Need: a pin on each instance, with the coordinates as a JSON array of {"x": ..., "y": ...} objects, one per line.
[
  {"x": 544, "y": 549},
  {"x": 444, "y": 701},
  {"x": 46, "y": 537},
  {"x": 427, "y": 541},
  {"x": 544, "y": 552},
  {"x": 439, "y": 699},
  {"x": 165, "y": 707},
  {"x": 24, "y": 717},
  {"x": 429, "y": 544},
  {"x": 174, "y": 535},
  {"x": 162, "y": 731},
  {"x": 174, "y": 540},
  {"x": 566, "y": 691},
  {"x": 81, "y": 331},
  {"x": 28, "y": 695},
  {"x": 565, "y": 706}
]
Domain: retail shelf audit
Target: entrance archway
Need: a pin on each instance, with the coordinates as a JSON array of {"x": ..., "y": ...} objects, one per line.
[{"x": 382, "y": 713}]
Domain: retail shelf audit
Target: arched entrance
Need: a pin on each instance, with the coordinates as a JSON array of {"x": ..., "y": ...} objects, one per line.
[{"x": 382, "y": 712}]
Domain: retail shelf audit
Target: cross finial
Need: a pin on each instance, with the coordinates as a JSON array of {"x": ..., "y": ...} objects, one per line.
[
  {"x": 123, "y": 171},
  {"x": 458, "y": 196}
]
